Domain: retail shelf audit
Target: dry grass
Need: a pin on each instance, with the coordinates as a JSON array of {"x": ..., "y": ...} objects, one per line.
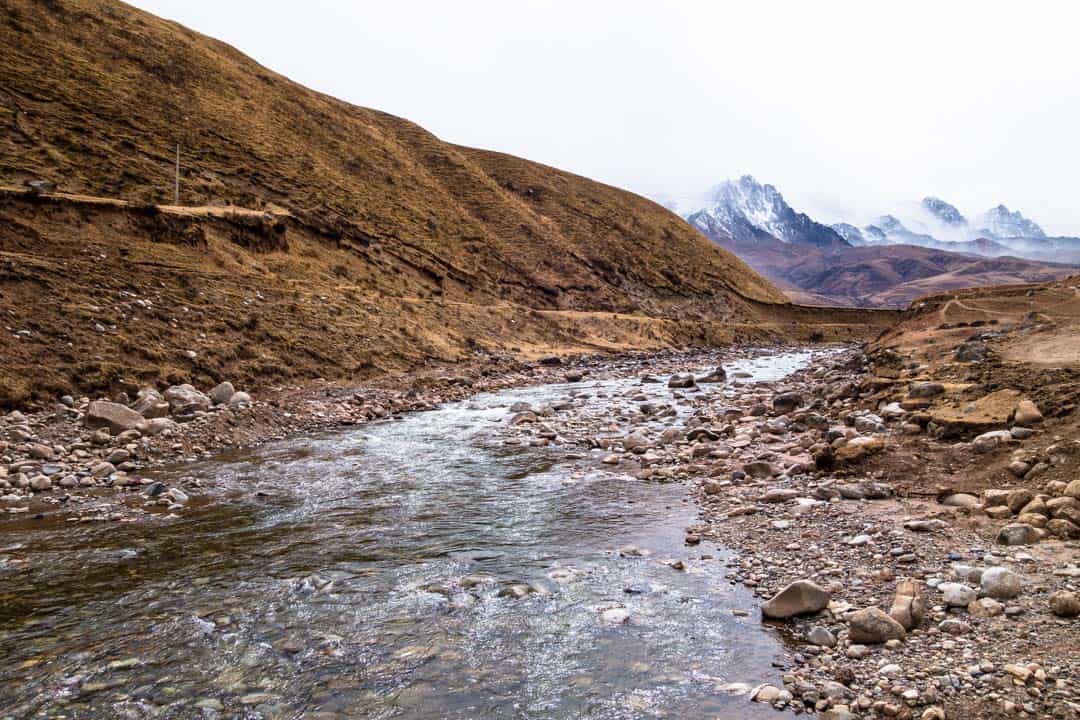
[{"x": 384, "y": 247}]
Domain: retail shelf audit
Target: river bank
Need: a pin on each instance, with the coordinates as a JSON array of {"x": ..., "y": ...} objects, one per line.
[
  {"x": 806, "y": 483},
  {"x": 59, "y": 462},
  {"x": 798, "y": 470}
]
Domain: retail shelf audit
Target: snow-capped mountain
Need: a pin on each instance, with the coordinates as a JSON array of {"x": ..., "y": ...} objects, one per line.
[
  {"x": 885, "y": 230},
  {"x": 999, "y": 223},
  {"x": 940, "y": 225},
  {"x": 747, "y": 212},
  {"x": 927, "y": 247},
  {"x": 943, "y": 212}
]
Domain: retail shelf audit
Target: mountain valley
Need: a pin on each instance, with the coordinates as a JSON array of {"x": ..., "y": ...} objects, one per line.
[{"x": 883, "y": 263}]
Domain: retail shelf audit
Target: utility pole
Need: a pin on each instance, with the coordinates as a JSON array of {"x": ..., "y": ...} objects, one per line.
[{"x": 176, "y": 193}]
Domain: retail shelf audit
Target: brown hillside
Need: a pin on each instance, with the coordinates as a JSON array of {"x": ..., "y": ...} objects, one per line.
[
  {"x": 381, "y": 247},
  {"x": 98, "y": 93},
  {"x": 884, "y": 275}
]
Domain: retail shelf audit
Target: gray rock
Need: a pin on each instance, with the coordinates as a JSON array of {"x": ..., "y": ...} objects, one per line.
[
  {"x": 222, "y": 393},
  {"x": 871, "y": 626},
  {"x": 157, "y": 426},
  {"x": 960, "y": 500},
  {"x": 759, "y": 469},
  {"x": 924, "y": 390},
  {"x": 185, "y": 400},
  {"x": 956, "y": 594},
  {"x": 113, "y": 417},
  {"x": 799, "y": 598},
  {"x": 821, "y": 636},
  {"x": 102, "y": 469},
  {"x": 765, "y": 694},
  {"x": 952, "y": 626},
  {"x": 240, "y": 399},
  {"x": 989, "y": 441},
  {"x": 1019, "y": 534},
  {"x": 117, "y": 456},
  {"x": 779, "y": 495},
  {"x": 971, "y": 351},
  {"x": 636, "y": 443},
  {"x": 715, "y": 376},
  {"x": 1000, "y": 583}
]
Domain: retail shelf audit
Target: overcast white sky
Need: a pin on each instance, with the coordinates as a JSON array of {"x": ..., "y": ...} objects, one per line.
[{"x": 850, "y": 108}]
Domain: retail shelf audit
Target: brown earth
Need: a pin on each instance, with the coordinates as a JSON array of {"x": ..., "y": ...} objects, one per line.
[
  {"x": 315, "y": 238},
  {"x": 100, "y": 297},
  {"x": 883, "y": 275},
  {"x": 1030, "y": 334}
]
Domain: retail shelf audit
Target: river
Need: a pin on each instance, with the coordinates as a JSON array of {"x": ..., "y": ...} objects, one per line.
[{"x": 424, "y": 567}]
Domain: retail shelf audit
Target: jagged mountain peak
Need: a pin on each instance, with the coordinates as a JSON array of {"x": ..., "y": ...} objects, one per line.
[
  {"x": 1000, "y": 222},
  {"x": 747, "y": 211},
  {"x": 944, "y": 212}
]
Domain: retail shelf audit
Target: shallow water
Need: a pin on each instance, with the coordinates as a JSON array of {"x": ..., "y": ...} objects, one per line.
[{"x": 325, "y": 575}]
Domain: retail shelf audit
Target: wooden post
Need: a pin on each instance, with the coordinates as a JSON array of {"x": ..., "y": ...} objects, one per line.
[{"x": 176, "y": 193}]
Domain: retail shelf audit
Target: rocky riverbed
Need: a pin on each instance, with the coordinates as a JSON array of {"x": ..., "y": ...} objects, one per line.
[
  {"x": 899, "y": 605},
  {"x": 895, "y": 595}
]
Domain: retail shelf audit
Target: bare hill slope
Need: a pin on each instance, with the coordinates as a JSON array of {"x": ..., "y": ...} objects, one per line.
[{"x": 381, "y": 247}]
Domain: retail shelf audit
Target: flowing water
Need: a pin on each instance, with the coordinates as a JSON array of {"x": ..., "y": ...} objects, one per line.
[{"x": 373, "y": 573}]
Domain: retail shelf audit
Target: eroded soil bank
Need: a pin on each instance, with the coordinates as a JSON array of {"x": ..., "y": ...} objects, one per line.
[{"x": 805, "y": 475}]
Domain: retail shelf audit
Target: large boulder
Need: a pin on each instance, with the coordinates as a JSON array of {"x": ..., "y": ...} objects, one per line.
[
  {"x": 185, "y": 400},
  {"x": 799, "y": 598},
  {"x": 990, "y": 441},
  {"x": 1018, "y": 499},
  {"x": 1065, "y": 603},
  {"x": 1027, "y": 413},
  {"x": 222, "y": 393},
  {"x": 114, "y": 417},
  {"x": 871, "y": 626},
  {"x": 1019, "y": 534},
  {"x": 1000, "y": 583},
  {"x": 971, "y": 351},
  {"x": 960, "y": 419},
  {"x": 1064, "y": 529}
]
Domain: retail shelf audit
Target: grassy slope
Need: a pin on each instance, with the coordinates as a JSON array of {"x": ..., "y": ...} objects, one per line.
[
  {"x": 100, "y": 92},
  {"x": 397, "y": 248}
]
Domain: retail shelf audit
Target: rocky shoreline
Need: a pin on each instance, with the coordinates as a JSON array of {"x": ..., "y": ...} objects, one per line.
[
  {"x": 87, "y": 459},
  {"x": 900, "y": 597},
  {"x": 898, "y": 602}
]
